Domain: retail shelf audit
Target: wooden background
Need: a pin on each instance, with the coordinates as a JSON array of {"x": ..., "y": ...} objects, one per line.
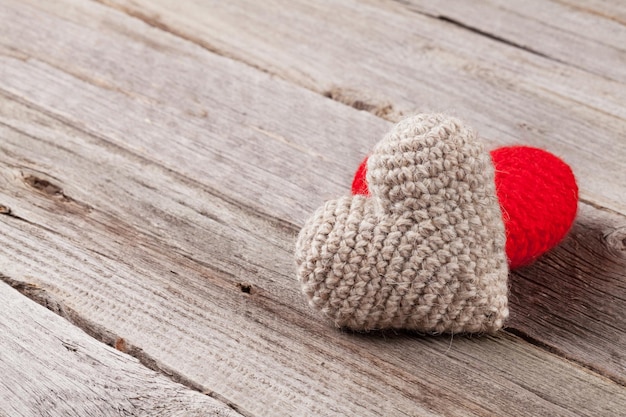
[{"x": 157, "y": 159}]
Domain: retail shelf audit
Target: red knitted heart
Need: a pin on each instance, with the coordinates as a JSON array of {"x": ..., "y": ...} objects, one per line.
[{"x": 538, "y": 197}]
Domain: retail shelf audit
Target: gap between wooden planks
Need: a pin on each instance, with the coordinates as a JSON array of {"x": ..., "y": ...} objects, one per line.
[
  {"x": 52, "y": 368},
  {"x": 384, "y": 57},
  {"x": 314, "y": 45},
  {"x": 117, "y": 252},
  {"x": 329, "y": 165},
  {"x": 573, "y": 32},
  {"x": 135, "y": 128}
]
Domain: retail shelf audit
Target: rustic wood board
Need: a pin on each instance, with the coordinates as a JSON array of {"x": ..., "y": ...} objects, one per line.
[
  {"x": 162, "y": 208},
  {"x": 201, "y": 289},
  {"x": 576, "y": 33},
  {"x": 613, "y": 10},
  {"x": 383, "y": 57},
  {"x": 573, "y": 300},
  {"x": 52, "y": 368},
  {"x": 234, "y": 149}
]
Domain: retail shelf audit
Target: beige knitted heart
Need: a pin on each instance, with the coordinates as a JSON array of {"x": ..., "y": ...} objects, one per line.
[{"x": 425, "y": 251}]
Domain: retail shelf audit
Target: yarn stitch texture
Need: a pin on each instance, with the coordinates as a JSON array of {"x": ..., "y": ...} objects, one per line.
[{"x": 426, "y": 251}]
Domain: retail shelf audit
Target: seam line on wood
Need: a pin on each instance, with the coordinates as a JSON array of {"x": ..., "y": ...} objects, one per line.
[
  {"x": 283, "y": 223},
  {"x": 155, "y": 23},
  {"x": 496, "y": 38},
  {"x": 277, "y": 221},
  {"x": 42, "y": 297},
  {"x": 557, "y": 352},
  {"x": 383, "y": 109}
]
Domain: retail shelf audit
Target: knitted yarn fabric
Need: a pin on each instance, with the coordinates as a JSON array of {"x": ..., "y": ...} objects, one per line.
[
  {"x": 538, "y": 197},
  {"x": 426, "y": 251}
]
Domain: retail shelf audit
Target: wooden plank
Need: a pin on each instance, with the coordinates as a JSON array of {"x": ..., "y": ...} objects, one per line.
[
  {"x": 128, "y": 220},
  {"x": 301, "y": 162},
  {"x": 204, "y": 288},
  {"x": 52, "y": 368},
  {"x": 614, "y": 10},
  {"x": 572, "y": 32},
  {"x": 392, "y": 61},
  {"x": 573, "y": 300},
  {"x": 257, "y": 138}
]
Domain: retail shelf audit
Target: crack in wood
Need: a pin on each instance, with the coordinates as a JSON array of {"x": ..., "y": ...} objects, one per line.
[
  {"x": 557, "y": 352},
  {"x": 155, "y": 22},
  {"x": 245, "y": 287},
  {"x": 491, "y": 36},
  {"x": 500, "y": 39},
  {"x": 46, "y": 299},
  {"x": 358, "y": 103},
  {"x": 10, "y": 214},
  {"x": 349, "y": 97},
  {"x": 280, "y": 223},
  {"x": 55, "y": 306},
  {"x": 413, "y": 8},
  {"x": 45, "y": 187},
  {"x": 361, "y": 101}
]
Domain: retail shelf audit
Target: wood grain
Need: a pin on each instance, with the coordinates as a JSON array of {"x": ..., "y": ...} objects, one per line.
[
  {"x": 232, "y": 150},
  {"x": 573, "y": 300},
  {"x": 52, "y": 368},
  {"x": 392, "y": 60},
  {"x": 613, "y": 10},
  {"x": 575, "y": 33},
  {"x": 203, "y": 290},
  {"x": 152, "y": 192}
]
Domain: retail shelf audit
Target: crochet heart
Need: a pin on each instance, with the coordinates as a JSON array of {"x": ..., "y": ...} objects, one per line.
[
  {"x": 425, "y": 251},
  {"x": 538, "y": 197}
]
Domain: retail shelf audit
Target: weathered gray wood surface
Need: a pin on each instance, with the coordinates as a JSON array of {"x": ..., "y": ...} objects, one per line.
[
  {"x": 335, "y": 162},
  {"x": 155, "y": 190},
  {"x": 383, "y": 48},
  {"x": 52, "y": 368},
  {"x": 573, "y": 300},
  {"x": 390, "y": 59},
  {"x": 579, "y": 33},
  {"x": 163, "y": 264}
]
